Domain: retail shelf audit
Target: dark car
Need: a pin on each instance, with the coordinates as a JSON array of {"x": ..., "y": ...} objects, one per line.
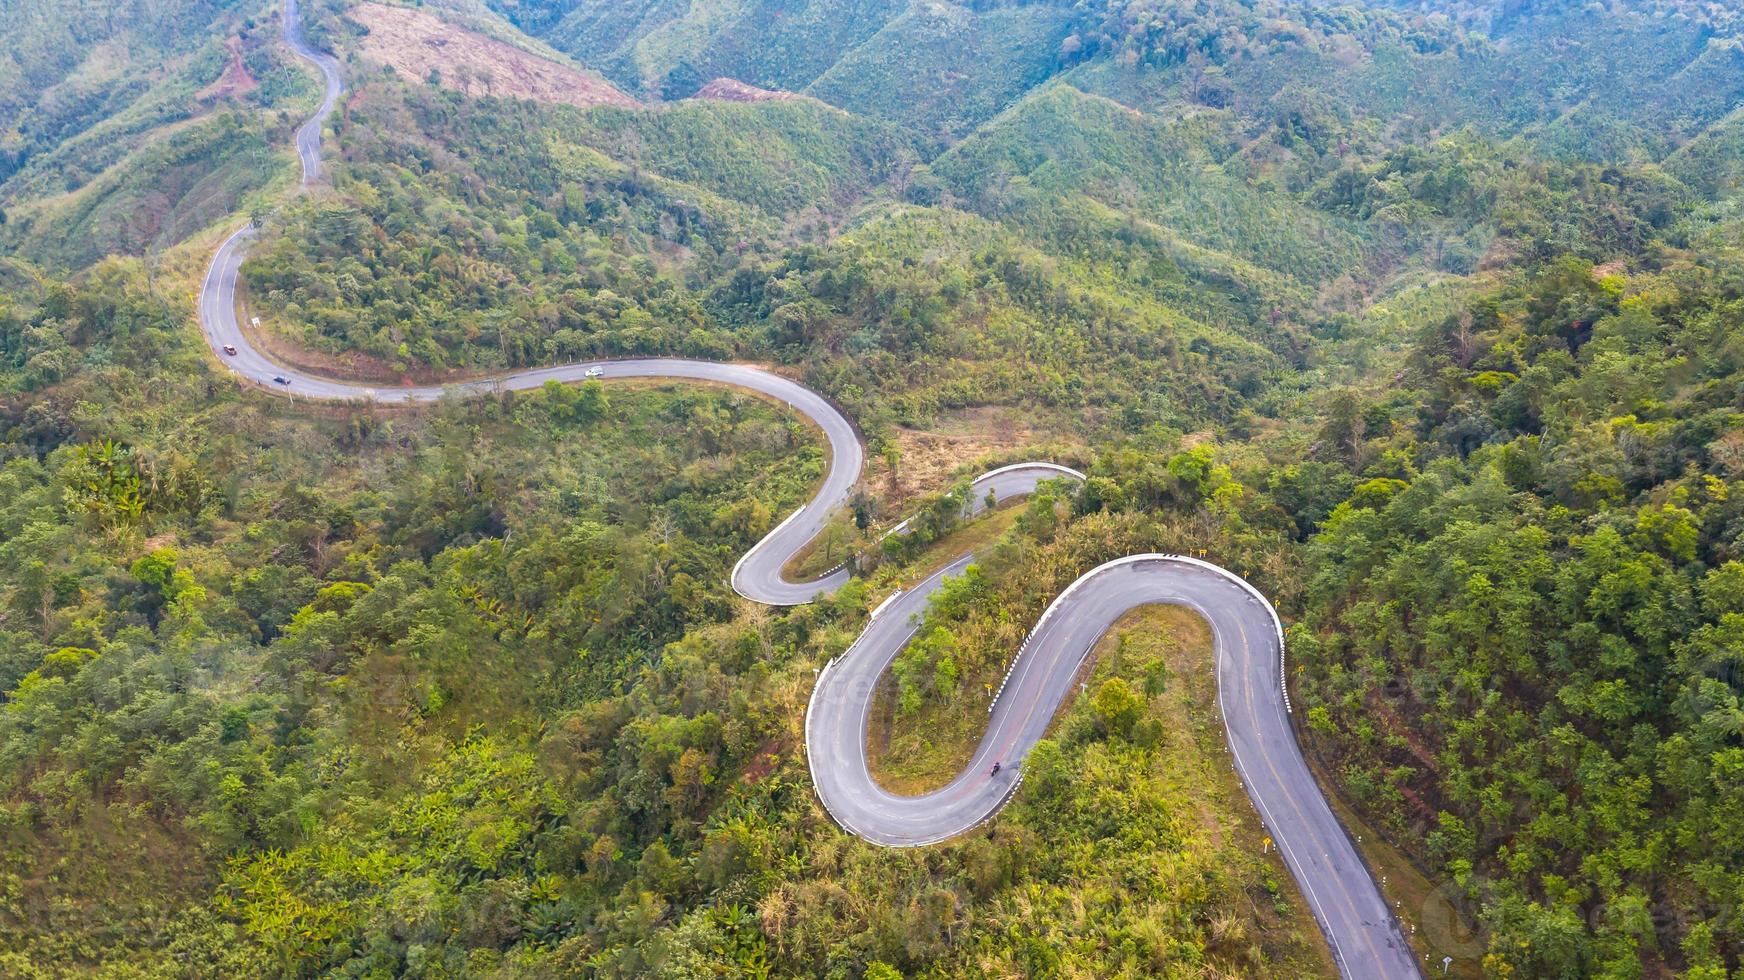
[
  {"x": 281, "y": 379},
  {"x": 230, "y": 349}
]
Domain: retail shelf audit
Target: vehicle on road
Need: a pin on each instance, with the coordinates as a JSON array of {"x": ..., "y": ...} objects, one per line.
[
  {"x": 1365, "y": 937},
  {"x": 230, "y": 349}
]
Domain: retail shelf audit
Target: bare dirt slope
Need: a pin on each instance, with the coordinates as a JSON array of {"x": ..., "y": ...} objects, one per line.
[
  {"x": 415, "y": 42},
  {"x": 733, "y": 90},
  {"x": 236, "y": 80}
]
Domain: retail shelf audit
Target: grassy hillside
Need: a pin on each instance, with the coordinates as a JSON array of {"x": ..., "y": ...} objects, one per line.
[
  {"x": 455, "y": 242},
  {"x": 62, "y": 69},
  {"x": 430, "y": 691},
  {"x": 1062, "y": 145},
  {"x": 668, "y": 49},
  {"x": 1582, "y": 83},
  {"x": 165, "y": 120},
  {"x": 940, "y": 70}
]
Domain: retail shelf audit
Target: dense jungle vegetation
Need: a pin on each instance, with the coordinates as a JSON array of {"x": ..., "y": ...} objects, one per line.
[{"x": 1428, "y": 317}]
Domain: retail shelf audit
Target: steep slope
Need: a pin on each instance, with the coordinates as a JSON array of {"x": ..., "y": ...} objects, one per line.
[
  {"x": 1596, "y": 82},
  {"x": 1429, "y": 326},
  {"x": 941, "y": 69},
  {"x": 1582, "y": 81},
  {"x": 421, "y": 45},
  {"x": 669, "y": 49},
  {"x": 1060, "y": 145},
  {"x": 67, "y": 64},
  {"x": 155, "y": 121}
]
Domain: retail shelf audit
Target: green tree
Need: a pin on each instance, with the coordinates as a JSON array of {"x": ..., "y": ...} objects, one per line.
[{"x": 1117, "y": 707}]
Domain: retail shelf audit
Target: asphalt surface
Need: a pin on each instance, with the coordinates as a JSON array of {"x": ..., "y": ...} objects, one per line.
[
  {"x": 757, "y": 575},
  {"x": 1364, "y": 937},
  {"x": 1017, "y": 480},
  {"x": 309, "y": 134}
]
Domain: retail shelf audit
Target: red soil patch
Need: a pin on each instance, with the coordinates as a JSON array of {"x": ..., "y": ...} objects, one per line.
[
  {"x": 236, "y": 80},
  {"x": 763, "y": 761}
]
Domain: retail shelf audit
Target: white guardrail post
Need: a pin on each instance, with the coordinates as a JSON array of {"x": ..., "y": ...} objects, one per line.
[
  {"x": 1277, "y": 624},
  {"x": 733, "y": 576},
  {"x": 881, "y": 607}
]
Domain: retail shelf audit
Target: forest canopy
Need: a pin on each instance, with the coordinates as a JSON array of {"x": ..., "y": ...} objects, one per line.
[{"x": 1426, "y": 318}]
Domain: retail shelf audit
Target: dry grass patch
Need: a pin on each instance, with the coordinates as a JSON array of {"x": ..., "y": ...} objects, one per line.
[
  {"x": 416, "y": 43},
  {"x": 733, "y": 90},
  {"x": 930, "y": 458}
]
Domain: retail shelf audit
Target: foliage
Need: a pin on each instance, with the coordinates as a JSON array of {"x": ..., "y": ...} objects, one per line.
[
  {"x": 120, "y": 138},
  {"x": 1425, "y": 319},
  {"x": 1551, "y": 603}
]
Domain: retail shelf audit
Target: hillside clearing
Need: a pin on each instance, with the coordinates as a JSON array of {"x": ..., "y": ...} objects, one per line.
[{"x": 427, "y": 48}]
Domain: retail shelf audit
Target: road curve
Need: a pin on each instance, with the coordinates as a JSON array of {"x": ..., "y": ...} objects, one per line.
[
  {"x": 1364, "y": 937},
  {"x": 757, "y": 575},
  {"x": 309, "y": 134}
]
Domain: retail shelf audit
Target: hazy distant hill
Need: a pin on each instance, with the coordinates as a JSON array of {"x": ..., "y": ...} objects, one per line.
[{"x": 1584, "y": 76}]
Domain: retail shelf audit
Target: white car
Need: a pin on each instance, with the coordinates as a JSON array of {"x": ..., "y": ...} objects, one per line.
[{"x": 595, "y": 372}]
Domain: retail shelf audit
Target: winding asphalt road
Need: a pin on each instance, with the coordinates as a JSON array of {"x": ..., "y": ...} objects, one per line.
[{"x": 1364, "y": 936}]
